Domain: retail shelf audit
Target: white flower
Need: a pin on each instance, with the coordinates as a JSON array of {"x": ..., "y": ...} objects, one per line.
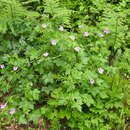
[
  {"x": 100, "y": 35},
  {"x": 86, "y": 34},
  {"x": 31, "y": 84},
  {"x": 77, "y": 49}
]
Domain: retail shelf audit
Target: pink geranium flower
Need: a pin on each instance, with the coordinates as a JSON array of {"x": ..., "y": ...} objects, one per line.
[
  {"x": 61, "y": 28},
  {"x": 2, "y": 106},
  {"x": 77, "y": 49},
  {"x": 12, "y": 111},
  {"x": 2, "y": 66},
  {"x": 44, "y": 25},
  {"x": 53, "y": 42},
  {"x": 101, "y": 70},
  {"x": 106, "y": 31},
  {"x": 46, "y": 54},
  {"x": 91, "y": 81}
]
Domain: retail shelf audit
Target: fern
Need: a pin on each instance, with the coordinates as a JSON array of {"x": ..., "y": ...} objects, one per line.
[
  {"x": 57, "y": 12},
  {"x": 12, "y": 13},
  {"x": 31, "y": 4}
]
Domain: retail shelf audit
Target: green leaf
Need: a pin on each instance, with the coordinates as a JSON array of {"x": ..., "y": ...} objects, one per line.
[
  {"x": 35, "y": 94},
  {"x": 49, "y": 78},
  {"x": 35, "y": 116},
  {"x": 22, "y": 120},
  {"x": 87, "y": 99}
]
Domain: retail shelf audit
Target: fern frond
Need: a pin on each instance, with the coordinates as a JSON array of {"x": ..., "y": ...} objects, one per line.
[
  {"x": 12, "y": 12},
  {"x": 57, "y": 12}
]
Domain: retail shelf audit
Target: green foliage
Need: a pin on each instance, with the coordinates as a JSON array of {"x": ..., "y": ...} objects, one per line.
[
  {"x": 76, "y": 77},
  {"x": 56, "y": 12}
]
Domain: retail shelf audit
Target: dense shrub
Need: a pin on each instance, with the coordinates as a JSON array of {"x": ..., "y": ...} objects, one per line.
[{"x": 65, "y": 64}]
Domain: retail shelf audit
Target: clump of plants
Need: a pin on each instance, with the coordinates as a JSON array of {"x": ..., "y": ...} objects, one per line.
[{"x": 65, "y": 64}]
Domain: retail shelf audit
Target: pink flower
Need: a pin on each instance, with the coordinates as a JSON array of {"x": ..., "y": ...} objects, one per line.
[
  {"x": 106, "y": 31},
  {"x": 100, "y": 35},
  {"x": 77, "y": 49},
  {"x": 91, "y": 81},
  {"x": 100, "y": 70},
  {"x": 46, "y": 54},
  {"x": 61, "y": 28},
  {"x": 12, "y": 111},
  {"x": 86, "y": 34},
  {"x": 44, "y": 25},
  {"x": 53, "y": 42},
  {"x": 2, "y": 106},
  {"x": 15, "y": 68},
  {"x": 72, "y": 38},
  {"x": 2, "y": 66}
]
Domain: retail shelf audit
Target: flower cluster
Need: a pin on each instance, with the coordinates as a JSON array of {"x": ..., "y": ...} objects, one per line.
[
  {"x": 101, "y": 71},
  {"x": 14, "y": 68},
  {"x": 61, "y": 28},
  {"x": 11, "y": 111}
]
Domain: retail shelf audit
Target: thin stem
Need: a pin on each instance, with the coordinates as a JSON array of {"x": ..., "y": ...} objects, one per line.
[{"x": 116, "y": 32}]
